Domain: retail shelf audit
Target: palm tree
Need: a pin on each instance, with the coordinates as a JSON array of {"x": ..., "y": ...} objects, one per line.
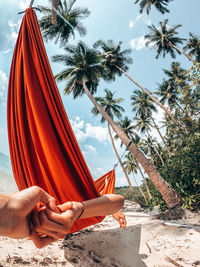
[
  {"x": 168, "y": 93},
  {"x": 165, "y": 40},
  {"x": 112, "y": 108},
  {"x": 158, "y": 4},
  {"x": 143, "y": 124},
  {"x": 82, "y": 74},
  {"x": 115, "y": 62},
  {"x": 142, "y": 103},
  {"x": 127, "y": 127},
  {"x": 193, "y": 45},
  {"x": 68, "y": 21},
  {"x": 130, "y": 166}
]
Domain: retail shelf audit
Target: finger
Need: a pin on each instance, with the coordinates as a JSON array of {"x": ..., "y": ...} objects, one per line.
[
  {"x": 49, "y": 225},
  {"x": 65, "y": 206},
  {"x": 41, "y": 242},
  {"x": 42, "y": 225},
  {"x": 35, "y": 194}
]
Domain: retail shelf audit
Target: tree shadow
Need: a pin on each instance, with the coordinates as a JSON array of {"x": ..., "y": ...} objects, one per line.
[{"x": 106, "y": 248}]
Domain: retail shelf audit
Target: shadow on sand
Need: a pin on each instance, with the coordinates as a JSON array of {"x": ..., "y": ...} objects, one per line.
[{"x": 106, "y": 248}]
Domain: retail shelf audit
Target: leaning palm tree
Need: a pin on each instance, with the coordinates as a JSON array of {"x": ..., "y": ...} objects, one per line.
[
  {"x": 127, "y": 127},
  {"x": 142, "y": 103},
  {"x": 193, "y": 45},
  {"x": 143, "y": 124},
  {"x": 115, "y": 62},
  {"x": 160, "y": 5},
  {"x": 112, "y": 108},
  {"x": 131, "y": 167},
  {"x": 68, "y": 21},
  {"x": 165, "y": 40},
  {"x": 83, "y": 71}
]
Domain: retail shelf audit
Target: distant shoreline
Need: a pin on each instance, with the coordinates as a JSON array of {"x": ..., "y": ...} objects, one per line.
[{"x": 7, "y": 183}]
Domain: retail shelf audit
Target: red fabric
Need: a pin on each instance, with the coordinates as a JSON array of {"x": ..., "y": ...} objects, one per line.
[
  {"x": 43, "y": 148},
  {"x": 106, "y": 183}
]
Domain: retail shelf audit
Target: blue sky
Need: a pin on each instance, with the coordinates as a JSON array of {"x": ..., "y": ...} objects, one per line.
[{"x": 109, "y": 19}]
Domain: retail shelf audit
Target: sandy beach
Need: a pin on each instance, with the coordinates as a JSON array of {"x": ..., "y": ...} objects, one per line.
[{"x": 145, "y": 242}]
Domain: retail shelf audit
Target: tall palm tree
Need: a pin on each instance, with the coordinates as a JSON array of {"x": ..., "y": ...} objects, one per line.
[
  {"x": 111, "y": 106},
  {"x": 160, "y": 5},
  {"x": 115, "y": 62},
  {"x": 168, "y": 93},
  {"x": 142, "y": 103},
  {"x": 68, "y": 21},
  {"x": 127, "y": 127},
  {"x": 131, "y": 167},
  {"x": 165, "y": 40},
  {"x": 193, "y": 45},
  {"x": 176, "y": 73},
  {"x": 143, "y": 124},
  {"x": 82, "y": 72}
]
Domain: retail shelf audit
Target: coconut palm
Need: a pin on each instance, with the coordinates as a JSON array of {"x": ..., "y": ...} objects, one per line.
[
  {"x": 160, "y": 5},
  {"x": 143, "y": 124},
  {"x": 142, "y": 103},
  {"x": 193, "y": 45},
  {"x": 82, "y": 72},
  {"x": 176, "y": 73},
  {"x": 131, "y": 167},
  {"x": 137, "y": 141},
  {"x": 127, "y": 127},
  {"x": 165, "y": 40},
  {"x": 112, "y": 108},
  {"x": 68, "y": 21},
  {"x": 115, "y": 62}
]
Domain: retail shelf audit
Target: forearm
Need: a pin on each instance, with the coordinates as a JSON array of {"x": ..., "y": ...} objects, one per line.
[
  {"x": 102, "y": 206},
  {"x": 4, "y": 215}
]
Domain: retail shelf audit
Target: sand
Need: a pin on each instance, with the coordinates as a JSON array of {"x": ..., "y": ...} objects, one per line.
[{"x": 145, "y": 242}]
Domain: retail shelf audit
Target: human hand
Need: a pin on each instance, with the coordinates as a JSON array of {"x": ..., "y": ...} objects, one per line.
[
  {"x": 49, "y": 226},
  {"x": 120, "y": 217},
  {"x": 15, "y": 210}
]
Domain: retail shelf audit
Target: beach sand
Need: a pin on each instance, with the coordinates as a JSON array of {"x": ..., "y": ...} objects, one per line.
[{"x": 145, "y": 242}]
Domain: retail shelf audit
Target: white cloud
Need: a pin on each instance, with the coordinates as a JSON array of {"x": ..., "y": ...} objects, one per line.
[
  {"x": 24, "y": 4},
  {"x": 140, "y": 19},
  {"x": 138, "y": 43},
  {"x": 90, "y": 149},
  {"x": 131, "y": 24},
  {"x": 3, "y": 86},
  {"x": 7, "y": 51},
  {"x": 84, "y": 130},
  {"x": 13, "y": 31},
  {"x": 96, "y": 132}
]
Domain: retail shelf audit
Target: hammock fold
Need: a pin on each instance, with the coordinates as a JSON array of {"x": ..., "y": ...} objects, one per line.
[{"x": 43, "y": 147}]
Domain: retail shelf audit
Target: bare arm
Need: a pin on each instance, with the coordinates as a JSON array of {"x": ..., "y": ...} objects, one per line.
[{"x": 51, "y": 223}]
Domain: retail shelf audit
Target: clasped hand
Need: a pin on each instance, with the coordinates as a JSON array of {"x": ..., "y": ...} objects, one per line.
[{"x": 22, "y": 217}]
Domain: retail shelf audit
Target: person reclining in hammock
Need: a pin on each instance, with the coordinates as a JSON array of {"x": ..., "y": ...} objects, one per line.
[{"x": 20, "y": 219}]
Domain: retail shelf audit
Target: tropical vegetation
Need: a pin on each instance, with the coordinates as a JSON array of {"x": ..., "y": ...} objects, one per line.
[{"x": 169, "y": 169}]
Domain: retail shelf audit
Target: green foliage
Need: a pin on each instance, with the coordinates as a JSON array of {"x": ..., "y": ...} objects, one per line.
[{"x": 126, "y": 193}]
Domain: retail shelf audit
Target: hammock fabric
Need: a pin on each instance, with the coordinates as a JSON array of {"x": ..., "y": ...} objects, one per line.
[
  {"x": 43, "y": 147},
  {"x": 106, "y": 183}
]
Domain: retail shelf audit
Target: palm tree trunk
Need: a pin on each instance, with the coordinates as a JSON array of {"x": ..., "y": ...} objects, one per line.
[
  {"x": 146, "y": 185},
  {"x": 154, "y": 99},
  {"x": 156, "y": 150},
  {"x": 169, "y": 195},
  {"x": 53, "y": 11},
  {"x": 145, "y": 199},
  {"x": 182, "y": 52},
  {"x": 121, "y": 164},
  {"x": 164, "y": 142}
]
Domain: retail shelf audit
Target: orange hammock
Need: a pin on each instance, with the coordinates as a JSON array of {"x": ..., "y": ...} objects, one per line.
[{"x": 43, "y": 147}]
